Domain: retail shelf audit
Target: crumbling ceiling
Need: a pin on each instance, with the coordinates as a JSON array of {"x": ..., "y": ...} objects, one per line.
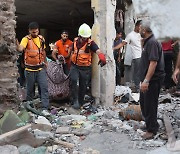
[{"x": 54, "y": 14}]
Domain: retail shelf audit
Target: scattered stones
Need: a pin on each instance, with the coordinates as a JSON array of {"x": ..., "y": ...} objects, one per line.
[
  {"x": 9, "y": 149},
  {"x": 63, "y": 130}
]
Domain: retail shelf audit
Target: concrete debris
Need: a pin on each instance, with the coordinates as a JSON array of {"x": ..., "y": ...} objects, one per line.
[
  {"x": 42, "y": 135},
  {"x": 65, "y": 133},
  {"x": 62, "y": 130},
  {"x": 43, "y": 120},
  {"x": 10, "y": 121},
  {"x": 162, "y": 150},
  {"x": 13, "y": 135},
  {"x": 26, "y": 149},
  {"x": 9, "y": 149},
  {"x": 165, "y": 98}
]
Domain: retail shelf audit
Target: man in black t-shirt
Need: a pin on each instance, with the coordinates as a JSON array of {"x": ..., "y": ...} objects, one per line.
[{"x": 151, "y": 73}]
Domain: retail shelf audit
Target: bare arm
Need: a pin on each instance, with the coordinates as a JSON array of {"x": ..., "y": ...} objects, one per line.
[
  {"x": 177, "y": 70},
  {"x": 120, "y": 45},
  {"x": 69, "y": 52},
  {"x": 19, "y": 47},
  {"x": 54, "y": 52}
]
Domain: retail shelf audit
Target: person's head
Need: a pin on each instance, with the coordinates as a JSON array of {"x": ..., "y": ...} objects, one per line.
[
  {"x": 84, "y": 32},
  {"x": 33, "y": 29},
  {"x": 138, "y": 26},
  {"x": 64, "y": 35},
  {"x": 119, "y": 33},
  {"x": 145, "y": 30}
]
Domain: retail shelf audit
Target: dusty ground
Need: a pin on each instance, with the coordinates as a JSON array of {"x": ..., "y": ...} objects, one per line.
[{"x": 110, "y": 143}]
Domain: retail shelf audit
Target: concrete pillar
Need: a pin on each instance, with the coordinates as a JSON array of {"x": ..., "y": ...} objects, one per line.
[
  {"x": 8, "y": 69},
  {"x": 103, "y": 32},
  {"x": 130, "y": 18}
]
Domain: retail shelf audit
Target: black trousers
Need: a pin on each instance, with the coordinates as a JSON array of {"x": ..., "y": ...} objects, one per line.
[
  {"x": 149, "y": 105},
  {"x": 80, "y": 77},
  {"x": 168, "y": 60}
]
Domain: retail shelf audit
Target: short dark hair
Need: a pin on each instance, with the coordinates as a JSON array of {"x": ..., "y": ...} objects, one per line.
[
  {"x": 64, "y": 32},
  {"x": 119, "y": 30},
  {"x": 33, "y": 25},
  {"x": 139, "y": 22}
]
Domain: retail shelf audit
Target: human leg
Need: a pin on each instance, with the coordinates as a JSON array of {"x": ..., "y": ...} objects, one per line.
[
  {"x": 30, "y": 82},
  {"x": 74, "y": 78},
  {"x": 85, "y": 74},
  {"x": 43, "y": 87}
]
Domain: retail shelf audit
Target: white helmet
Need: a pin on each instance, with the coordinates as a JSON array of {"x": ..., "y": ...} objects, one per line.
[{"x": 84, "y": 31}]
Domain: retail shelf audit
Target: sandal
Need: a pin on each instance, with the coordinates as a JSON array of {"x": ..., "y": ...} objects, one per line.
[{"x": 147, "y": 136}]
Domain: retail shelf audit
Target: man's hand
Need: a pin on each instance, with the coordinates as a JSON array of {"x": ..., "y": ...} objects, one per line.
[
  {"x": 102, "y": 59},
  {"x": 144, "y": 87},
  {"x": 175, "y": 75},
  {"x": 119, "y": 59}
]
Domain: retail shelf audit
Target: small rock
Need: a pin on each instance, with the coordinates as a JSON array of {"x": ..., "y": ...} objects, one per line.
[
  {"x": 42, "y": 135},
  {"x": 62, "y": 130},
  {"x": 42, "y": 120},
  {"x": 9, "y": 149}
]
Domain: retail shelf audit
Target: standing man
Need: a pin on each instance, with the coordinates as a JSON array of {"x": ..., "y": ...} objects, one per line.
[
  {"x": 62, "y": 47},
  {"x": 117, "y": 55},
  {"x": 167, "y": 47},
  {"x": 177, "y": 70},
  {"x": 80, "y": 71},
  {"x": 151, "y": 71},
  {"x": 133, "y": 39},
  {"x": 35, "y": 62}
]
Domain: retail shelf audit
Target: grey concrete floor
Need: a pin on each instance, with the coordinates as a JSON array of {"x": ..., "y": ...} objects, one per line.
[{"x": 110, "y": 143}]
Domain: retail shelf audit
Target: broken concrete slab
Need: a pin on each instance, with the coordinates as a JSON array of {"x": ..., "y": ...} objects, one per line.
[
  {"x": 161, "y": 150},
  {"x": 177, "y": 114},
  {"x": 27, "y": 138},
  {"x": 42, "y": 135},
  {"x": 10, "y": 121},
  {"x": 8, "y": 149},
  {"x": 13, "y": 135},
  {"x": 43, "y": 120},
  {"x": 63, "y": 130},
  {"x": 26, "y": 149}
]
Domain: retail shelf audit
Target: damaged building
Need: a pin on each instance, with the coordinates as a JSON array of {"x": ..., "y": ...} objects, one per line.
[{"x": 109, "y": 128}]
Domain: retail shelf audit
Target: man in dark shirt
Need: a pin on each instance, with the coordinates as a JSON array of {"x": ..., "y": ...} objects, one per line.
[
  {"x": 81, "y": 58},
  {"x": 151, "y": 77}
]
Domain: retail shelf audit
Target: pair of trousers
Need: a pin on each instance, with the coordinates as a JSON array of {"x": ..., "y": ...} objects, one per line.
[
  {"x": 149, "y": 105},
  {"x": 168, "y": 59},
  {"x": 80, "y": 77},
  {"x": 39, "y": 77},
  {"x": 131, "y": 72},
  {"x": 118, "y": 73}
]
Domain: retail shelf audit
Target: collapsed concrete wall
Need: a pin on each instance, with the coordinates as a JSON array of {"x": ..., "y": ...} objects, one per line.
[{"x": 8, "y": 71}]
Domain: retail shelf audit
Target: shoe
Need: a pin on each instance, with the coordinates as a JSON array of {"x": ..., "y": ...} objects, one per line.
[
  {"x": 46, "y": 113},
  {"x": 76, "y": 105},
  {"x": 148, "y": 135}
]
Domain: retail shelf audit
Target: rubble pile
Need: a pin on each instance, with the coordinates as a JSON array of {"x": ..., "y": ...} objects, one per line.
[{"x": 63, "y": 130}]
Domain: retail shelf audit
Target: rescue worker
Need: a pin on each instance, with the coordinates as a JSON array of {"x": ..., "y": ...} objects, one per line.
[
  {"x": 62, "y": 47},
  {"x": 81, "y": 58},
  {"x": 33, "y": 46}
]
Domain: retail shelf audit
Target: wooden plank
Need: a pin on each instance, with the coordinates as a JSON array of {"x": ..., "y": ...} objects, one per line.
[
  {"x": 13, "y": 135},
  {"x": 64, "y": 144}
]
